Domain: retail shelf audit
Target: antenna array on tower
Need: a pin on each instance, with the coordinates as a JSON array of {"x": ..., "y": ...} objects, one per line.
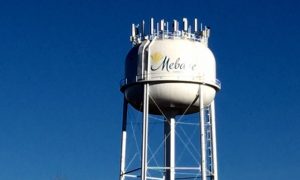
[{"x": 163, "y": 31}]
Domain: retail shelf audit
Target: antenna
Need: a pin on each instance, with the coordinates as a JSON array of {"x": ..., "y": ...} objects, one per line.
[
  {"x": 175, "y": 25},
  {"x": 143, "y": 29},
  {"x": 133, "y": 30},
  {"x": 152, "y": 26},
  {"x": 207, "y": 29},
  {"x": 167, "y": 25},
  {"x": 185, "y": 24},
  {"x": 162, "y": 25},
  {"x": 196, "y": 25}
]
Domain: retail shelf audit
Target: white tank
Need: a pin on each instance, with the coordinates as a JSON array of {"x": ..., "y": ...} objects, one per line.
[{"x": 175, "y": 64}]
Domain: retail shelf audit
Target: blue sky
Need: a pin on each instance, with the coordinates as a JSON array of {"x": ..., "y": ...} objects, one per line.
[{"x": 60, "y": 66}]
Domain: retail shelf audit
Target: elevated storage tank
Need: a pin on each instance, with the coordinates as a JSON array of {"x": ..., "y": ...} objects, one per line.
[
  {"x": 174, "y": 63},
  {"x": 170, "y": 73}
]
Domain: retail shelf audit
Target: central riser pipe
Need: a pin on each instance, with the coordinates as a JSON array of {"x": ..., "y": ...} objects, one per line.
[{"x": 170, "y": 148}]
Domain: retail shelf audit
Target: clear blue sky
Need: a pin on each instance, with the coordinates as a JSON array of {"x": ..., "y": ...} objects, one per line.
[{"x": 60, "y": 66}]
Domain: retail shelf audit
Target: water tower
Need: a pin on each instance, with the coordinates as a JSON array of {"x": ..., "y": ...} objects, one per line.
[{"x": 171, "y": 72}]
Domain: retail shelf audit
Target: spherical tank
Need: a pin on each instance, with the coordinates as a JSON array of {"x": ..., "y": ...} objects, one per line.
[{"x": 175, "y": 67}]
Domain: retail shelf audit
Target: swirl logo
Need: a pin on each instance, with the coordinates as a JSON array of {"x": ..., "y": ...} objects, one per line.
[{"x": 156, "y": 57}]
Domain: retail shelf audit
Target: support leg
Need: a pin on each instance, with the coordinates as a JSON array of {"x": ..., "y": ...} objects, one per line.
[
  {"x": 203, "y": 134},
  {"x": 145, "y": 132},
  {"x": 124, "y": 138}
]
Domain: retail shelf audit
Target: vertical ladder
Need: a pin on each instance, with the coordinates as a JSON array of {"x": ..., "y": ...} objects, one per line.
[{"x": 209, "y": 144}]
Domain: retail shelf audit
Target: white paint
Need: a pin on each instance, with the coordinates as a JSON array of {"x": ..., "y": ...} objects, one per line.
[{"x": 185, "y": 62}]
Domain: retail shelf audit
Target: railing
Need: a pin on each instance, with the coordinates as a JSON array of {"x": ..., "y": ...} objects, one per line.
[
  {"x": 171, "y": 35},
  {"x": 162, "y": 77},
  {"x": 177, "y": 35}
]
